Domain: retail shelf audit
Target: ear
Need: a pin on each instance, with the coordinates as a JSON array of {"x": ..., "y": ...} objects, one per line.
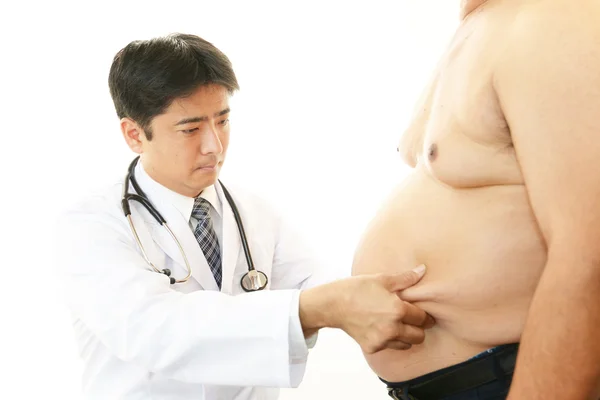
[{"x": 134, "y": 135}]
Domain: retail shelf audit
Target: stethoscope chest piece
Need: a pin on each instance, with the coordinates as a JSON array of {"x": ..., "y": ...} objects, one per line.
[{"x": 254, "y": 280}]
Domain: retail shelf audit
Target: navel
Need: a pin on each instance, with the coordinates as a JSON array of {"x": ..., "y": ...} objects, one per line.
[{"x": 433, "y": 152}]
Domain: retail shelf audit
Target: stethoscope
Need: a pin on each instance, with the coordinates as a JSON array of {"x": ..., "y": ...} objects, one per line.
[{"x": 252, "y": 280}]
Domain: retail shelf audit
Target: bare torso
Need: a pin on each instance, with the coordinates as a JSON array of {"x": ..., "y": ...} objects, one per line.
[{"x": 463, "y": 211}]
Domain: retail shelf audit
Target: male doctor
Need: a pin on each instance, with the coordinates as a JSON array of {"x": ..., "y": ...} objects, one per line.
[{"x": 183, "y": 327}]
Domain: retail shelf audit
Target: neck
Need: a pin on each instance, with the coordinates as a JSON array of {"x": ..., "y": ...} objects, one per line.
[{"x": 468, "y": 6}]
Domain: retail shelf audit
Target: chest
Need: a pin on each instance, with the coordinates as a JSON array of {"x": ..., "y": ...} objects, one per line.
[
  {"x": 459, "y": 132},
  {"x": 188, "y": 251}
]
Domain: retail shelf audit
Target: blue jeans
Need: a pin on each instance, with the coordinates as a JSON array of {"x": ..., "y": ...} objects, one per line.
[{"x": 487, "y": 376}]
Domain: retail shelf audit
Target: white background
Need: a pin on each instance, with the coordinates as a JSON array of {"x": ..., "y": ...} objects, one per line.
[{"x": 326, "y": 90}]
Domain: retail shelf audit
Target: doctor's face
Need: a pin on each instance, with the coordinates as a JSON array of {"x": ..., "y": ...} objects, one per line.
[{"x": 189, "y": 141}]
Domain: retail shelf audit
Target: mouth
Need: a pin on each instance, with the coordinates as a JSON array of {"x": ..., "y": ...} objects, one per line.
[{"x": 209, "y": 167}]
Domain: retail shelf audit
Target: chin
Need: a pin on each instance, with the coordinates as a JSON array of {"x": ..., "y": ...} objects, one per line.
[{"x": 204, "y": 177}]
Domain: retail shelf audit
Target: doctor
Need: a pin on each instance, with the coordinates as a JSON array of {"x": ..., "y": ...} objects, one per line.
[{"x": 166, "y": 285}]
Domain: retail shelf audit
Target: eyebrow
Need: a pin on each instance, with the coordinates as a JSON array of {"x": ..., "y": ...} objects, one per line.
[{"x": 201, "y": 119}]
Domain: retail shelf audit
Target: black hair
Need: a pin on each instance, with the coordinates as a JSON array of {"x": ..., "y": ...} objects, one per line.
[{"x": 146, "y": 76}]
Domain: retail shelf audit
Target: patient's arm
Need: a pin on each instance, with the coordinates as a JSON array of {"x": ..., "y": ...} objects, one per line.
[{"x": 549, "y": 87}]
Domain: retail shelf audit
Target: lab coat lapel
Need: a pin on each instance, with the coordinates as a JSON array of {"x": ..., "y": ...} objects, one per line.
[
  {"x": 231, "y": 243},
  {"x": 199, "y": 266}
]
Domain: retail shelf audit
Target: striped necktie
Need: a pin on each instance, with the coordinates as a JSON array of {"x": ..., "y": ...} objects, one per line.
[{"x": 207, "y": 238}]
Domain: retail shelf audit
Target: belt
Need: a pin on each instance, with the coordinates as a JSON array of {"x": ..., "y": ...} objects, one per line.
[{"x": 468, "y": 375}]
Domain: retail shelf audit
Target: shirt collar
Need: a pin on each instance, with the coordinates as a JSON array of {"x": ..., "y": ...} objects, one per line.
[{"x": 159, "y": 194}]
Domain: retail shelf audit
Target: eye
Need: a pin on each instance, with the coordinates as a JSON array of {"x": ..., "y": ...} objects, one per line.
[
  {"x": 189, "y": 131},
  {"x": 224, "y": 122}
]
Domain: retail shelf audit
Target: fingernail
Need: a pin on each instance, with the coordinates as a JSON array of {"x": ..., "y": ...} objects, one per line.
[
  {"x": 430, "y": 322},
  {"x": 420, "y": 270}
]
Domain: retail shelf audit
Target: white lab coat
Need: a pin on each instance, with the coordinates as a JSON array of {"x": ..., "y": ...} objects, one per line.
[{"x": 141, "y": 338}]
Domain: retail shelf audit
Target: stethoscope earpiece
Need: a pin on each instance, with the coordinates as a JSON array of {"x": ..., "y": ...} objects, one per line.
[{"x": 167, "y": 272}]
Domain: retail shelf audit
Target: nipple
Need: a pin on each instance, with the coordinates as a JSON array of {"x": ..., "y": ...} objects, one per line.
[{"x": 433, "y": 151}]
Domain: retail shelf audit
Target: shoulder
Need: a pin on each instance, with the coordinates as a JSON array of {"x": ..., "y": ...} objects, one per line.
[
  {"x": 550, "y": 48},
  {"x": 259, "y": 213},
  {"x": 91, "y": 227},
  {"x": 548, "y": 26},
  {"x": 558, "y": 10},
  {"x": 101, "y": 206},
  {"x": 251, "y": 200}
]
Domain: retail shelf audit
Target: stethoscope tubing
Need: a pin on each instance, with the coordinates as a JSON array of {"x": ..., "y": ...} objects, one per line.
[{"x": 141, "y": 198}]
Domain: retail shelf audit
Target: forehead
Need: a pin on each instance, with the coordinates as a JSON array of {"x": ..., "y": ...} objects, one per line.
[{"x": 204, "y": 101}]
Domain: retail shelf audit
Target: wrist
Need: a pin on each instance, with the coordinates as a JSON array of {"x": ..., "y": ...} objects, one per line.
[{"x": 317, "y": 309}]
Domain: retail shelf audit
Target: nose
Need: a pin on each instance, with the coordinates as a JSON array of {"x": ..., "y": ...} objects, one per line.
[{"x": 211, "y": 142}]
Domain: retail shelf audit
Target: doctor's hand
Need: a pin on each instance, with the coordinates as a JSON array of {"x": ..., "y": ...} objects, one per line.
[{"x": 368, "y": 308}]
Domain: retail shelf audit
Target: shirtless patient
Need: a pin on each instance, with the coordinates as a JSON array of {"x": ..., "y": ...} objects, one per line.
[{"x": 503, "y": 206}]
